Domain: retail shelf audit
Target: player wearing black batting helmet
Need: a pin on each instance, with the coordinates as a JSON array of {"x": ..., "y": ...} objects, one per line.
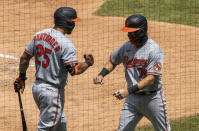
[
  {"x": 66, "y": 17},
  {"x": 142, "y": 59},
  {"x": 136, "y": 26},
  {"x": 55, "y": 58}
]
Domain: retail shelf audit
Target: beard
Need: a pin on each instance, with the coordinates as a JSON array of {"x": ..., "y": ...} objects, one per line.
[
  {"x": 68, "y": 32},
  {"x": 135, "y": 41}
]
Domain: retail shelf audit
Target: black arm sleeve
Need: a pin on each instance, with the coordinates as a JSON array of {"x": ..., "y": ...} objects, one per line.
[{"x": 72, "y": 68}]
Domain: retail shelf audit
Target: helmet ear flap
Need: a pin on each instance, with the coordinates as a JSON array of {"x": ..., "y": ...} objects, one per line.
[
  {"x": 140, "y": 33},
  {"x": 70, "y": 26}
]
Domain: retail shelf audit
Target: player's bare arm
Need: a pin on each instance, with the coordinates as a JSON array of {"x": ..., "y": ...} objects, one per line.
[
  {"x": 148, "y": 81},
  {"x": 79, "y": 68},
  {"x": 108, "y": 67},
  {"x": 83, "y": 66},
  {"x": 122, "y": 93},
  {"x": 24, "y": 62},
  {"x": 19, "y": 83}
]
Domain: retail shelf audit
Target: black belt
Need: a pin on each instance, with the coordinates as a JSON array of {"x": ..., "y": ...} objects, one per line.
[{"x": 146, "y": 92}]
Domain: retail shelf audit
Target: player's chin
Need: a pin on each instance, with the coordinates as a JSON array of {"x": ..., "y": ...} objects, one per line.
[
  {"x": 136, "y": 43},
  {"x": 68, "y": 32}
]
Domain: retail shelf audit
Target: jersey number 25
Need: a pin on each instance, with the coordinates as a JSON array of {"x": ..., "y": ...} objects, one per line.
[{"x": 43, "y": 52}]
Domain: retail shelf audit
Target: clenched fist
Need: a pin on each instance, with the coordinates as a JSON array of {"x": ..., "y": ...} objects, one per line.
[
  {"x": 19, "y": 84},
  {"x": 89, "y": 59},
  {"x": 98, "y": 80},
  {"x": 120, "y": 94}
]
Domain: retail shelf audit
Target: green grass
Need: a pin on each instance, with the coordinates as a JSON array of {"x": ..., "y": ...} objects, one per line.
[
  {"x": 174, "y": 11},
  {"x": 182, "y": 124}
]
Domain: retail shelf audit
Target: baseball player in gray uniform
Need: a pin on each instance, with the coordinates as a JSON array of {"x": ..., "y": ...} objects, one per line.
[
  {"x": 142, "y": 59},
  {"x": 55, "y": 56}
]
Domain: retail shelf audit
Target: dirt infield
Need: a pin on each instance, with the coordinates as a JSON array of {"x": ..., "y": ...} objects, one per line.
[{"x": 90, "y": 107}]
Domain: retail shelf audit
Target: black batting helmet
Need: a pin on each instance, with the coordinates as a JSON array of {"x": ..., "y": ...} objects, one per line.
[
  {"x": 138, "y": 24},
  {"x": 66, "y": 17}
]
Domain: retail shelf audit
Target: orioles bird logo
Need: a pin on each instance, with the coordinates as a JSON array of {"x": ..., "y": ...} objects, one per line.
[
  {"x": 127, "y": 23},
  {"x": 157, "y": 66}
]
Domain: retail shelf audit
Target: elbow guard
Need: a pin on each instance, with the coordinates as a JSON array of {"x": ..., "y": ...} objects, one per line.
[{"x": 72, "y": 68}]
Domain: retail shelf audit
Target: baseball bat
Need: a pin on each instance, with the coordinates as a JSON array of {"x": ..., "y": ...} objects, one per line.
[{"x": 22, "y": 113}]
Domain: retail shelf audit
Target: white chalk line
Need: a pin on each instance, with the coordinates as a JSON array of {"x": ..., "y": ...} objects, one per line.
[
  {"x": 8, "y": 56},
  {"x": 13, "y": 58},
  {"x": 28, "y": 87}
]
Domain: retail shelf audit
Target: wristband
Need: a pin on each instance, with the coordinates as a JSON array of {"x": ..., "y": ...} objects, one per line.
[
  {"x": 22, "y": 76},
  {"x": 104, "y": 72},
  {"x": 88, "y": 63},
  {"x": 133, "y": 89}
]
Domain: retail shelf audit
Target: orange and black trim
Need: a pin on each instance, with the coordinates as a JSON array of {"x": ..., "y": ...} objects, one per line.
[
  {"x": 28, "y": 52},
  {"x": 129, "y": 29},
  {"x": 76, "y": 69},
  {"x": 77, "y": 19}
]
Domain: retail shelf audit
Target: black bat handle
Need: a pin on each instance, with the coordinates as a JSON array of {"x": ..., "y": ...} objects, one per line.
[{"x": 22, "y": 113}]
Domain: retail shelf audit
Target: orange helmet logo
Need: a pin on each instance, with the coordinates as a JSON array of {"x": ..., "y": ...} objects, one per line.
[{"x": 127, "y": 23}]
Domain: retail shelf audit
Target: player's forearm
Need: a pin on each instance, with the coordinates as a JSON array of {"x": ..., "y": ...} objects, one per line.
[
  {"x": 24, "y": 63},
  {"x": 82, "y": 66},
  {"x": 148, "y": 81},
  {"x": 108, "y": 67}
]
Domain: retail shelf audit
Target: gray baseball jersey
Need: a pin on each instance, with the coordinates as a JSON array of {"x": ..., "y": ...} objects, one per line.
[
  {"x": 138, "y": 63},
  {"x": 52, "y": 50}
]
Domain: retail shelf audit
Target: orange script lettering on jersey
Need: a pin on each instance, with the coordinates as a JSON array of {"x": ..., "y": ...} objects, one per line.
[
  {"x": 49, "y": 39},
  {"x": 134, "y": 62}
]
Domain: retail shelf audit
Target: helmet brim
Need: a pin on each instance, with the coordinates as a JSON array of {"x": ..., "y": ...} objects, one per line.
[
  {"x": 77, "y": 19},
  {"x": 128, "y": 29}
]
